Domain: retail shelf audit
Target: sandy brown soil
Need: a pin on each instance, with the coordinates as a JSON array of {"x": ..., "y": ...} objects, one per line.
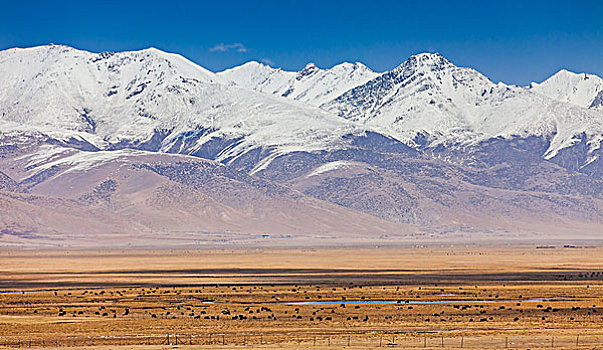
[{"x": 516, "y": 296}]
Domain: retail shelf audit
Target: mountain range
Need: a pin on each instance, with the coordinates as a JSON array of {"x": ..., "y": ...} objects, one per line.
[{"x": 148, "y": 148}]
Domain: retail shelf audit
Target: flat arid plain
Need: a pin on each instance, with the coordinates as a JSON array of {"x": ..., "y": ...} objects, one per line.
[{"x": 523, "y": 296}]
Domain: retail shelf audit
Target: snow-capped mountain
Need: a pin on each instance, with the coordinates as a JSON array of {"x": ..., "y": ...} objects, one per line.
[
  {"x": 149, "y": 99},
  {"x": 311, "y": 85},
  {"x": 584, "y": 90},
  {"x": 164, "y": 145},
  {"x": 430, "y": 97},
  {"x": 162, "y": 102}
]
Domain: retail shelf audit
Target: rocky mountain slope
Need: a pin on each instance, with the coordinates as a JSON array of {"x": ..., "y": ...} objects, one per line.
[{"x": 167, "y": 198}]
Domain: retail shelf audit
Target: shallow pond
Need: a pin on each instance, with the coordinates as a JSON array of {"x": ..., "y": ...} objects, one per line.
[
  {"x": 23, "y": 291},
  {"x": 377, "y": 302}
]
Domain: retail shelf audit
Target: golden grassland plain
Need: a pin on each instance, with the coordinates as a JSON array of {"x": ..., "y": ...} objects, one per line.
[{"x": 420, "y": 297}]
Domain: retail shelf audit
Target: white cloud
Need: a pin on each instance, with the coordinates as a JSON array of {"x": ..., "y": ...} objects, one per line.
[
  {"x": 221, "y": 47},
  {"x": 267, "y": 61}
]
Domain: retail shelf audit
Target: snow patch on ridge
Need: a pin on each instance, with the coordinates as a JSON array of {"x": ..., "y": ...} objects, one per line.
[
  {"x": 340, "y": 164},
  {"x": 48, "y": 156}
]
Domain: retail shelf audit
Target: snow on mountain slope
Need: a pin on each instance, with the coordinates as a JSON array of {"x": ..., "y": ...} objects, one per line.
[
  {"x": 428, "y": 96},
  {"x": 311, "y": 85},
  {"x": 114, "y": 100},
  {"x": 152, "y": 100},
  {"x": 584, "y": 90},
  {"x": 340, "y": 164}
]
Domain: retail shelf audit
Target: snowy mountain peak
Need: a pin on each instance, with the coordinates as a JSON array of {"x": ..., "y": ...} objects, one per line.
[
  {"x": 581, "y": 89},
  {"x": 152, "y": 49},
  {"x": 308, "y": 70},
  {"x": 427, "y": 60},
  {"x": 567, "y": 74},
  {"x": 352, "y": 67},
  {"x": 311, "y": 85},
  {"x": 48, "y": 49},
  {"x": 426, "y": 82},
  {"x": 252, "y": 65},
  {"x": 428, "y": 56}
]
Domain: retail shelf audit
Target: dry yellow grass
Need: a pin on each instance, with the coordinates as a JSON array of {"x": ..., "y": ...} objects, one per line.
[{"x": 241, "y": 297}]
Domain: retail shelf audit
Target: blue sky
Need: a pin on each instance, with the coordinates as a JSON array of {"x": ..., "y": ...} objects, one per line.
[{"x": 511, "y": 41}]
